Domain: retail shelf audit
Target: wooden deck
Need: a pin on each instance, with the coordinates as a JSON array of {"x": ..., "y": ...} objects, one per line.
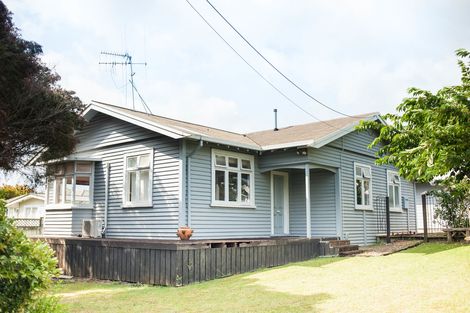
[{"x": 177, "y": 263}]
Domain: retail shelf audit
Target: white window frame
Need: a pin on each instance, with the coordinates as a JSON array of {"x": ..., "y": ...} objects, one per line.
[
  {"x": 399, "y": 207},
  {"x": 62, "y": 177},
  {"x": 370, "y": 206},
  {"x": 239, "y": 171},
  {"x": 125, "y": 187}
]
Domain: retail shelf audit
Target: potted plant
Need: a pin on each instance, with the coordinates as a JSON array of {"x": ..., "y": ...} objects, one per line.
[{"x": 184, "y": 232}]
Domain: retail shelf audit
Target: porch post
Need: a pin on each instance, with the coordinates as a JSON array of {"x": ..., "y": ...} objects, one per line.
[{"x": 307, "y": 200}]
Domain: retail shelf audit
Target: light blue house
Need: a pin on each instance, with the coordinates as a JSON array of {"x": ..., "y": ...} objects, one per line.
[{"x": 143, "y": 176}]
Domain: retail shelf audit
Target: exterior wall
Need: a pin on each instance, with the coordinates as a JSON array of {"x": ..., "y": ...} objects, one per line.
[
  {"x": 28, "y": 203},
  {"x": 224, "y": 222},
  {"x": 322, "y": 203},
  {"x": 65, "y": 222},
  {"x": 360, "y": 226},
  {"x": 110, "y": 139}
]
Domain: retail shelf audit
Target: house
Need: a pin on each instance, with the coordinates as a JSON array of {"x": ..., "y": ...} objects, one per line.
[
  {"x": 144, "y": 175},
  {"x": 26, "y": 206}
]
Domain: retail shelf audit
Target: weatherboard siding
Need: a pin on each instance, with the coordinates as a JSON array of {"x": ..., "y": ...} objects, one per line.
[
  {"x": 65, "y": 222},
  {"x": 211, "y": 222},
  {"x": 109, "y": 140},
  {"x": 322, "y": 203}
]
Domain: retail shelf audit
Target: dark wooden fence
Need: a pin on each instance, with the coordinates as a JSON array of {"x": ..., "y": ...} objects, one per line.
[{"x": 176, "y": 263}]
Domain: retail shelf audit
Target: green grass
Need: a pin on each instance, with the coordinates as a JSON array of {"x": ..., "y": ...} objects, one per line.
[{"x": 431, "y": 277}]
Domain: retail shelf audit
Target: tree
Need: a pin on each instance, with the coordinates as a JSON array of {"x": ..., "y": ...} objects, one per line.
[
  {"x": 429, "y": 140},
  {"x": 10, "y": 191},
  {"x": 36, "y": 114}
]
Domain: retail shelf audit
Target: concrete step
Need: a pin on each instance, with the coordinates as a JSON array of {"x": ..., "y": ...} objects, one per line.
[
  {"x": 337, "y": 243},
  {"x": 350, "y": 253},
  {"x": 347, "y": 248}
]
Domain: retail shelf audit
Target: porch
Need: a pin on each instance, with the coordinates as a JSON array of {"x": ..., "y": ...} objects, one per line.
[
  {"x": 305, "y": 201},
  {"x": 177, "y": 263}
]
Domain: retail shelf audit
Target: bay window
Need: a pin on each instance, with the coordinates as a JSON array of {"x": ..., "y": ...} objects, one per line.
[
  {"x": 363, "y": 186},
  {"x": 138, "y": 180},
  {"x": 70, "y": 184},
  {"x": 393, "y": 190},
  {"x": 232, "y": 179}
]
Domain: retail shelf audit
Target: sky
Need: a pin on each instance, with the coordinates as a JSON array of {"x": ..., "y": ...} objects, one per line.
[{"x": 354, "y": 56}]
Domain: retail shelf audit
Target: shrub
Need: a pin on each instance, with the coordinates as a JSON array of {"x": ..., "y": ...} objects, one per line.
[
  {"x": 454, "y": 202},
  {"x": 26, "y": 270}
]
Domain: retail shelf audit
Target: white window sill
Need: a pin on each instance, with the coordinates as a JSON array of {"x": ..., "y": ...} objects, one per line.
[
  {"x": 396, "y": 210},
  {"x": 137, "y": 205},
  {"x": 68, "y": 206},
  {"x": 232, "y": 205},
  {"x": 364, "y": 208}
]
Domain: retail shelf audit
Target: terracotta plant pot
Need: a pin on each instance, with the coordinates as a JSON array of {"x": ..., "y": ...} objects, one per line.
[{"x": 184, "y": 232}]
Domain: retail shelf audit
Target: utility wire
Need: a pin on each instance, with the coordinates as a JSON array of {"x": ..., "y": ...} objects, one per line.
[
  {"x": 274, "y": 67},
  {"x": 254, "y": 69}
]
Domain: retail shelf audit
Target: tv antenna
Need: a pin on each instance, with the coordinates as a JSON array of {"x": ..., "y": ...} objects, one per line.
[{"x": 127, "y": 60}]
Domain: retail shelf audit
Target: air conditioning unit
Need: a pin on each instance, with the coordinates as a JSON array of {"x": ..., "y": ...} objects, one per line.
[{"x": 91, "y": 228}]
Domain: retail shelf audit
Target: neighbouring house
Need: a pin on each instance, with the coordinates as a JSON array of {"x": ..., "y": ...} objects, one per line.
[
  {"x": 143, "y": 176},
  {"x": 28, "y": 206}
]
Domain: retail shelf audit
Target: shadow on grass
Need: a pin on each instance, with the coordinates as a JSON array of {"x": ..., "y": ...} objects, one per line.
[{"x": 434, "y": 247}]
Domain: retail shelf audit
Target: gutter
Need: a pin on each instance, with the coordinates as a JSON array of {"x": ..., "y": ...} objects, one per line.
[{"x": 188, "y": 181}]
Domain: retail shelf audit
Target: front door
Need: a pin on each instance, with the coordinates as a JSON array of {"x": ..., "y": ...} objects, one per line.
[{"x": 280, "y": 206}]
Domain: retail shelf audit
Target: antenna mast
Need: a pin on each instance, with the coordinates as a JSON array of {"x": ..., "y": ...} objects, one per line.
[{"x": 127, "y": 61}]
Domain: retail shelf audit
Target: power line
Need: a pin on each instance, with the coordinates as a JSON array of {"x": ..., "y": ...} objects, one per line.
[
  {"x": 274, "y": 67},
  {"x": 254, "y": 69}
]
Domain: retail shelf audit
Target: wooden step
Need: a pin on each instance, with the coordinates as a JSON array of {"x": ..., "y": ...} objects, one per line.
[
  {"x": 350, "y": 253},
  {"x": 337, "y": 243},
  {"x": 347, "y": 248}
]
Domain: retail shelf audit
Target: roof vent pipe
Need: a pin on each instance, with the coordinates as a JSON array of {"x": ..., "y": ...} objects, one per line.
[{"x": 275, "y": 120}]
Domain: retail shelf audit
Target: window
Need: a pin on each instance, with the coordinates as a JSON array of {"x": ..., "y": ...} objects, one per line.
[
  {"x": 363, "y": 186},
  {"x": 393, "y": 190},
  {"x": 70, "y": 184},
  {"x": 232, "y": 179},
  {"x": 138, "y": 180}
]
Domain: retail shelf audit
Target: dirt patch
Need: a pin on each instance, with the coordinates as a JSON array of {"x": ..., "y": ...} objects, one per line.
[{"x": 389, "y": 248}]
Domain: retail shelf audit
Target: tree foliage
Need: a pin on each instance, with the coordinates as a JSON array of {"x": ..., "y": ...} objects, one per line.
[
  {"x": 429, "y": 141},
  {"x": 36, "y": 114},
  {"x": 26, "y": 270},
  {"x": 429, "y": 137},
  {"x": 11, "y": 191}
]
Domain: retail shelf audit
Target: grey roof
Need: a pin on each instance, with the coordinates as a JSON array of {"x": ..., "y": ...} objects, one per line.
[{"x": 311, "y": 134}]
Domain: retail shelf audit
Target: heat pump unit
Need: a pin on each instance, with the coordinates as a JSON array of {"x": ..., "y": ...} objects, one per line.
[{"x": 91, "y": 228}]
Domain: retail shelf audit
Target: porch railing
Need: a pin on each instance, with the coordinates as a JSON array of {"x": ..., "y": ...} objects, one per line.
[{"x": 30, "y": 226}]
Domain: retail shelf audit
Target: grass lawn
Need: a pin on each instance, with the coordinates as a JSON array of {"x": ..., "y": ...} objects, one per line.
[{"x": 428, "y": 278}]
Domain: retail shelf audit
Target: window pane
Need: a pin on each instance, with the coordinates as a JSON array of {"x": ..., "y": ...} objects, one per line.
[
  {"x": 366, "y": 172},
  {"x": 59, "y": 190},
  {"x": 246, "y": 164},
  {"x": 220, "y": 185},
  {"x": 397, "y": 197},
  {"x": 232, "y": 186},
  {"x": 144, "y": 161},
  {"x": 358, "y": 171},
  {"x": 358, "y": 191},
  {"x": 144, "y": 185},
  {"x": 233, "y": 162},
  {"x": 82, "y": 190},
  {"x": 220, "y": 160},
  {"x": 83, "y": 167},
  {"x": 132, "y": 162},
  {"x": 132, "y": 178},
  {"x": 245, "y": 192},
  {"x": 366, "y": 192},
  {"x": 68, "y": 189},
  {"x": 69, "y": 168}
]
